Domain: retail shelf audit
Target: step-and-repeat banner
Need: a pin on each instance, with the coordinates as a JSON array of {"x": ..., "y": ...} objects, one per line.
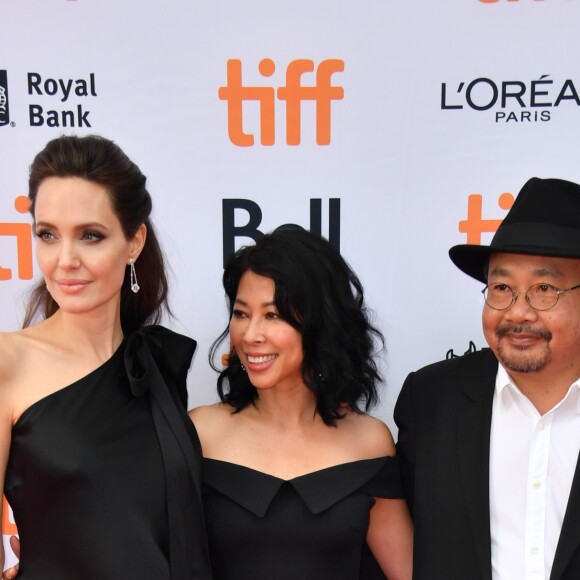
[{"x": 395, "y": 128}]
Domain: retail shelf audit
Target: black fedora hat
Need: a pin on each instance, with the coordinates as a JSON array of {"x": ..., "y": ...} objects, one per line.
[{"x": 544, "y": 221}]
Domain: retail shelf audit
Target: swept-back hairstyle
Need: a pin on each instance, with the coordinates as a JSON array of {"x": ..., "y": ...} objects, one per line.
[
  {"x": 101, "y": 161},
  {"x": 317, "y": 293}
]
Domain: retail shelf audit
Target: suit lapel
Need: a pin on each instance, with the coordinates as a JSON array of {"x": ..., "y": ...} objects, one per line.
[
  {"x": 570, "y": 533},
  {"x": 473, "y": 431}
]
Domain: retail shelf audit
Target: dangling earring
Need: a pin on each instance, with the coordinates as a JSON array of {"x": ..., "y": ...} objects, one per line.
[
  {"x": 134, "y": 285},
  {"x": 243, "y": 367}
]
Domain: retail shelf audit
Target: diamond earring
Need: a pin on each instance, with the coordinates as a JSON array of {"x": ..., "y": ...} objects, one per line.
[{"x": 134, "y": 286}]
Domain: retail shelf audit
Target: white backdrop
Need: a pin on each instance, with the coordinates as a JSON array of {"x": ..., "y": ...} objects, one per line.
[{"x": 436, "y": 102}]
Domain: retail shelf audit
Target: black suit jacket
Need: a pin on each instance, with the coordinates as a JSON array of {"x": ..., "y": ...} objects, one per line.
[{"x": 444, "y": 418}]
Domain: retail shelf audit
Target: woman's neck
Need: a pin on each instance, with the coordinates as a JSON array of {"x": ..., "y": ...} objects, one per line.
[
  {"x": 99, "y": 334},
  {"x": 287, "y": 408}
]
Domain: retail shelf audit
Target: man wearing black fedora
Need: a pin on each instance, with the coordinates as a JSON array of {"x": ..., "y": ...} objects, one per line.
[{"x": 489, "y": 442}]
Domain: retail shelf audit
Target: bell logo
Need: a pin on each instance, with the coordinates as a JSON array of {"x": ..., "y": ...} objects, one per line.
[
  {"x": 231, "y": 231},
  {"x": 293, "y": 93}
]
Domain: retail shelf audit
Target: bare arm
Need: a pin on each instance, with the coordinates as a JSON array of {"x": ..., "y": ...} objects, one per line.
[
  {"x": 6, "y": 407},
  {"x": 390, "y": 531},
  {"x": 390, "y": 538}
]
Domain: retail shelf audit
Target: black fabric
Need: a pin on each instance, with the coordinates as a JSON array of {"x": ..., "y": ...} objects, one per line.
[
  {"x": 104, "y": 475},
  {"x": 311, "y": 527},
  {"x": 444, "y": 418}
]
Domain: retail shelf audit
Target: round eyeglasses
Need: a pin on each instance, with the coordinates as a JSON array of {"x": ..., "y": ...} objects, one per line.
[{"x": 540, "y": 296}]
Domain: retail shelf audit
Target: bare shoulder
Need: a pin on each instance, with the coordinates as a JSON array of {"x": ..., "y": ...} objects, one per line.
[
  {"x": 214, "y": 426},
  {"x": 209, "y": 413},
  {"x": 13, "y": 349},
  {"x": 26, "y": 366},
  {"x": 15, "y": 358},
  {"x": 19, "y": 347},
  {"x": 369, "y": 436},
  {"x": 211, "y": 419}
]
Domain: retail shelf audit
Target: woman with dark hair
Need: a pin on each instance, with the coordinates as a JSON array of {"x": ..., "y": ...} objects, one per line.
[
  {"x": 98, "y": 459},
  {"x": 298, "y": 480}
]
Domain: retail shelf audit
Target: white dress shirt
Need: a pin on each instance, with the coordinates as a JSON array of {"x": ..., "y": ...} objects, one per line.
[{"x": 532, "y": 463}]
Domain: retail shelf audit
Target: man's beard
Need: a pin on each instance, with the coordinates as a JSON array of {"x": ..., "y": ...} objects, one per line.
[{"x": 518, "y": 359}]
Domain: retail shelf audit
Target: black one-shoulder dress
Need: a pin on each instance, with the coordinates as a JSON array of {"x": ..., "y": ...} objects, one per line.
[{"x": 104, "y": 475}]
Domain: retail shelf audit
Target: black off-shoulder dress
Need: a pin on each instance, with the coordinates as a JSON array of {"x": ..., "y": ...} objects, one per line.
[{"x": 311, "y": 527}]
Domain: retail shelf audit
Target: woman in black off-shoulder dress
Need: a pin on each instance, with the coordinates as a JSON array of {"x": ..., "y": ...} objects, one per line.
[
  {"x": 100, "y": 463},
  {"x": 298, "y": 481}
]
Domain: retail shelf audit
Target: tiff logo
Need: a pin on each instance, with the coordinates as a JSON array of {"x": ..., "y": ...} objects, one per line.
[
  {"x": 475, "y": 225},
  {"x": 293, "y": 93},
  {"x": 8, "y": 524},
  {"x": 23, "y": 234}
]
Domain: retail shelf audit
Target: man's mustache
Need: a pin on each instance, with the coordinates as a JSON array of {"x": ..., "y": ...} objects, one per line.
[{"x": 523, "y": 329}]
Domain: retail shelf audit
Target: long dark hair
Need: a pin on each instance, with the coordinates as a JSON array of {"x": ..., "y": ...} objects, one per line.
[
  {"x": 101, "y": 161},
  {"x": 318, "y": 294}
]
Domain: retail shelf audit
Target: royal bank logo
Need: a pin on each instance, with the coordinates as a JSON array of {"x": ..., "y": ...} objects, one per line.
[
  {"x": 4, "y": 109},
  {"x": 57, "y": 93},
  {"x": 511, "y": 101},
  {"x": 55, "y": 102}
]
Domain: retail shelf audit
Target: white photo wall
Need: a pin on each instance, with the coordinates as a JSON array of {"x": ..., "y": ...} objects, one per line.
[{"x": 395, "y": 128}]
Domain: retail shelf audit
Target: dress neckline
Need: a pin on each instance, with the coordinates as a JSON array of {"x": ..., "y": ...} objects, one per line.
[
  {"x": 346, "y": 464},
  {"x": 70, "y": 386},
  {"x": 255, "y": 490}
]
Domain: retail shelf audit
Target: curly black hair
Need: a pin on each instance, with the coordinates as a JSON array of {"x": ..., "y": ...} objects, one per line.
[{"x": 318, "y": 294}]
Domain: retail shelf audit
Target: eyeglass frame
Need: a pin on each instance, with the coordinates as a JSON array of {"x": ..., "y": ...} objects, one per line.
[{"x": 515, "y": 295}]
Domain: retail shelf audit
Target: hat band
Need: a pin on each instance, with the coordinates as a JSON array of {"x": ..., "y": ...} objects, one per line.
[{"x": 537, "y": 238}]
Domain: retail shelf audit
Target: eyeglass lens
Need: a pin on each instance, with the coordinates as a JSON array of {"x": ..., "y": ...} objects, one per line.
[{"x": 539, "y": 296}]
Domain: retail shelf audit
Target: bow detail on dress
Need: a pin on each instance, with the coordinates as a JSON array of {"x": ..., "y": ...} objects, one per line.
[
  {"x": 159, "y": 346},
  {"x": 156, "y": 362}
]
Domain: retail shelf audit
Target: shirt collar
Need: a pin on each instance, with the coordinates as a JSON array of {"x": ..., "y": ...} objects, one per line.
[{"x": 507, "y": 391}]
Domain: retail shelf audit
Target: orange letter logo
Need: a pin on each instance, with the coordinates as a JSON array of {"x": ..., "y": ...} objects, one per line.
[
  {"x": 8, "y": 525},
  {"x": 494, "y": 1},
  {"x": 23, "y": 234},
  {"x": 474, "y": 225},
  {"x": 322, "y": 93},
  {"x": 235, "y": 94}
]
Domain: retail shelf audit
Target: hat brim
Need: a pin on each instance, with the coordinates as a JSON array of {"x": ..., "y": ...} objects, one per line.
[{"x": 473, "y": 259}]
